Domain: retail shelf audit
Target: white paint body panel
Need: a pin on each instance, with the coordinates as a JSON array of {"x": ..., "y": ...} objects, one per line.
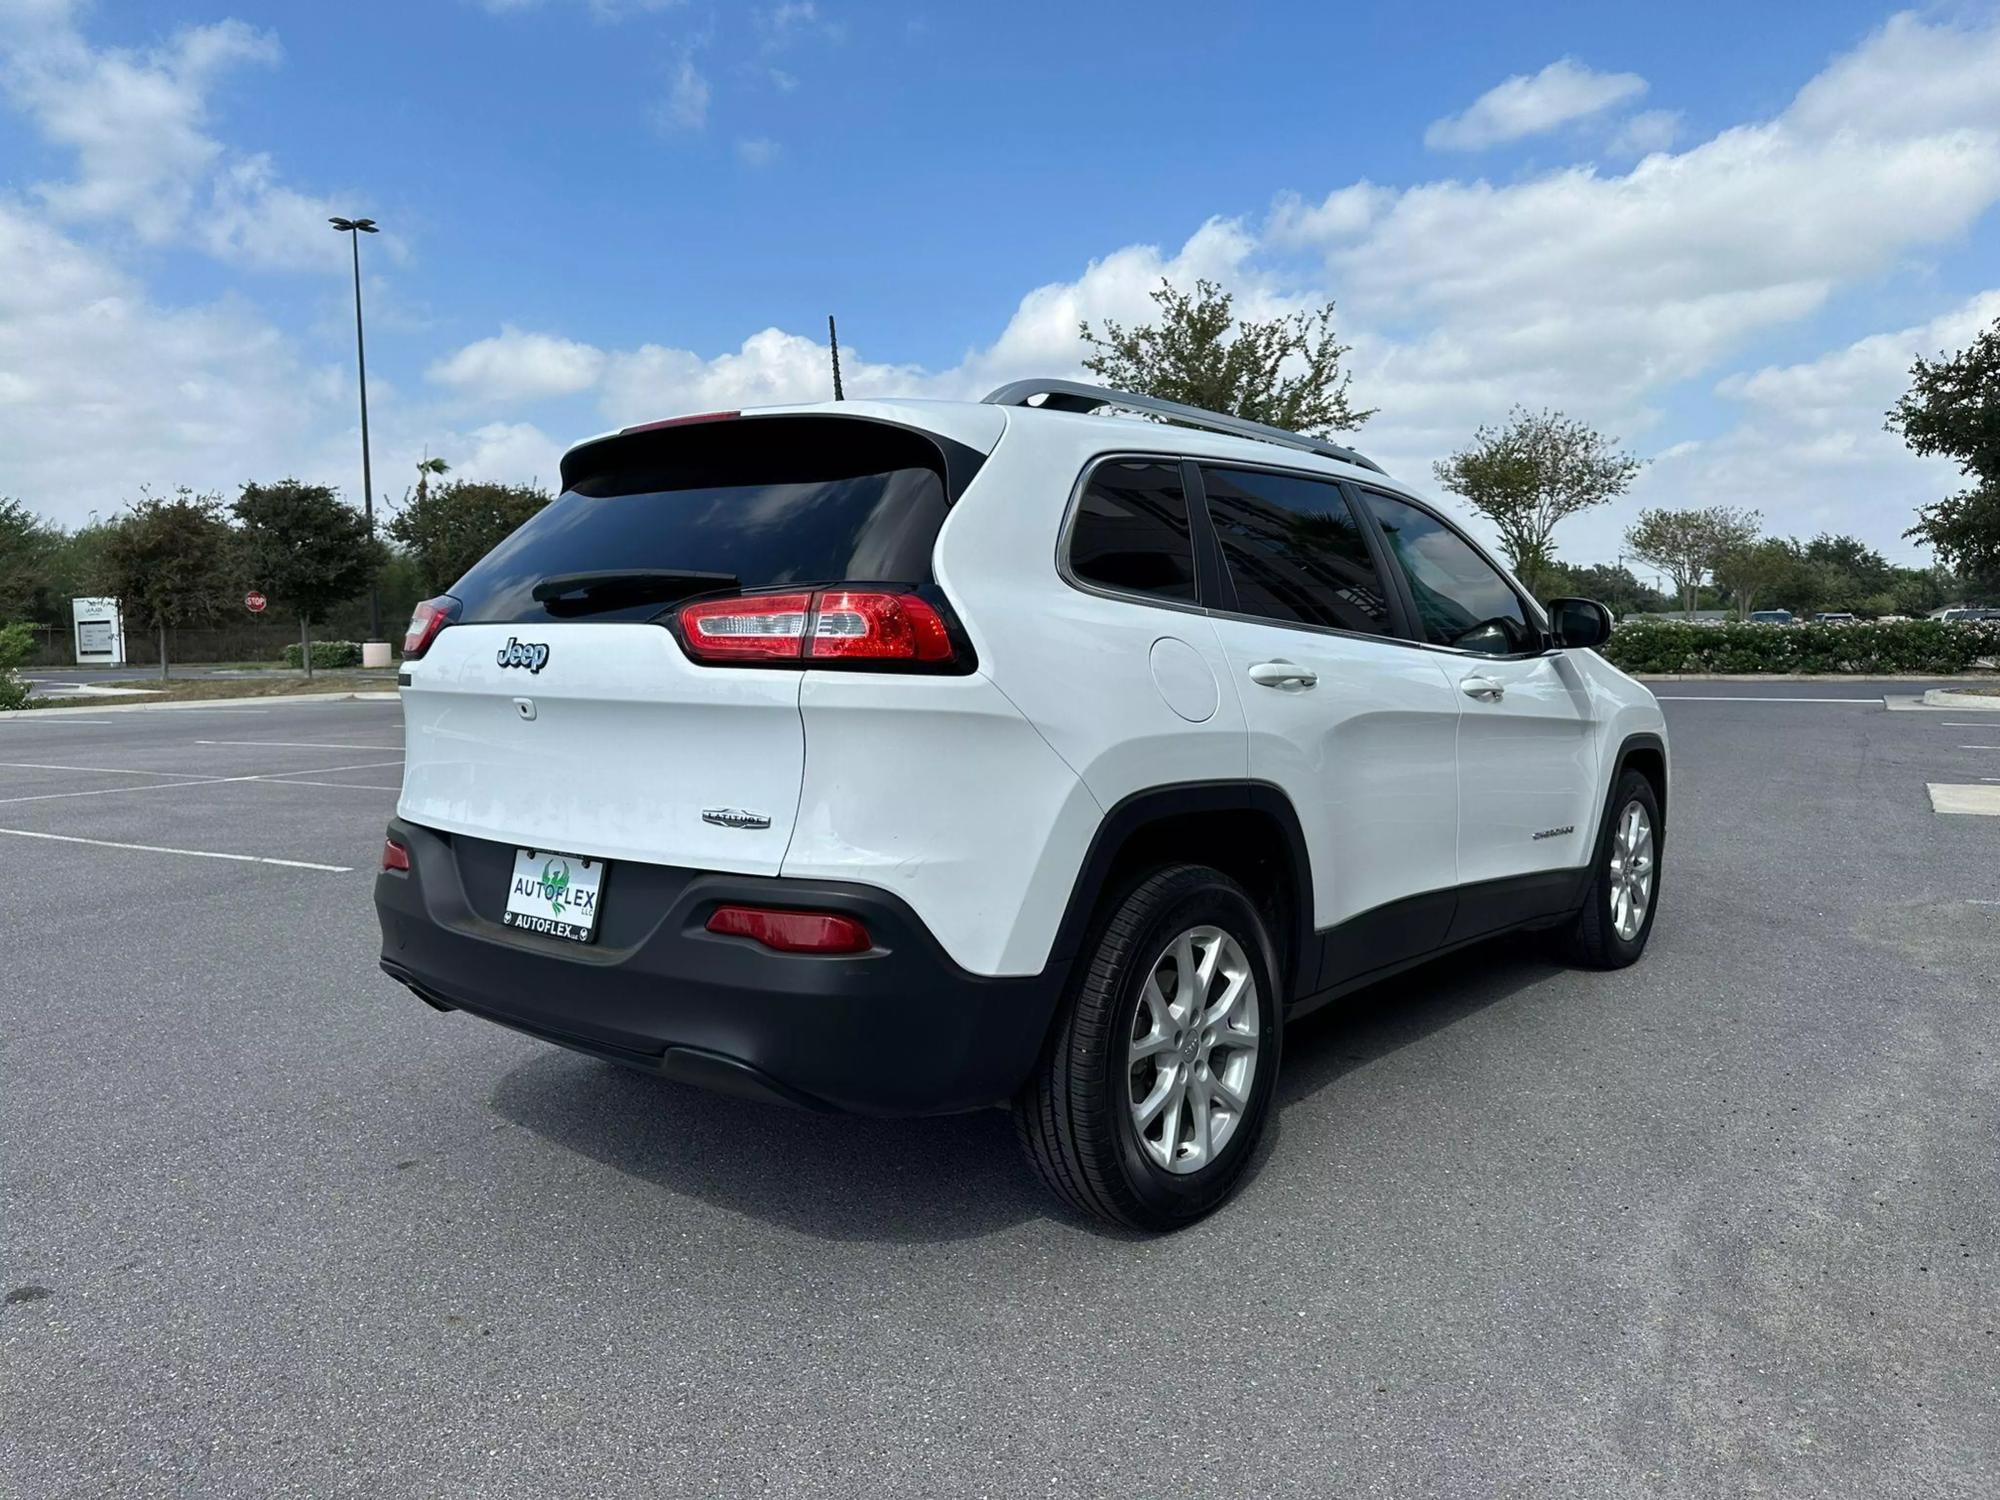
[
  {"x": 975, "y": 798},
  {"x": 630, "y": 743},
  {"x": 1368, "y": 755}
]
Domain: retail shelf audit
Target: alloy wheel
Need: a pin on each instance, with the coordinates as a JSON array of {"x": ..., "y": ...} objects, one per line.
[
  {"x": 1631, "y": 871},
  {"x": 1192, "y": 1058}
]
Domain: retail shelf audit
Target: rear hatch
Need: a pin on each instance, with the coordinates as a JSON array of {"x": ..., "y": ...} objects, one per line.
[{"x": 560, "y": 708}]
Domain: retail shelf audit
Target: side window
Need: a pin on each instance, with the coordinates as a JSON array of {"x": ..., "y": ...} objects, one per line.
[
  {"x": 1131, "y": 530},
  {"x": 1461, "y": 600},
  {"x": 1295, "y": 551}
]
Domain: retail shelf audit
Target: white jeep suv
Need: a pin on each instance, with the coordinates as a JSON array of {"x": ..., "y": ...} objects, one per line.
[{"x": 905, "y": 757}]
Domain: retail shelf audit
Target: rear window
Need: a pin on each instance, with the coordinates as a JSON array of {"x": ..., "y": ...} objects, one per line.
[{"x": 751, "y": 503}]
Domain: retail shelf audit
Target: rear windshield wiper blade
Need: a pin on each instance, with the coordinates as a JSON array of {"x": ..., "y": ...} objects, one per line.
[{"x": 612, "y": 587}]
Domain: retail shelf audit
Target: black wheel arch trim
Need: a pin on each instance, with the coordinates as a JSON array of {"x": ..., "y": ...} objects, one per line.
[
  {"x": 1642, "y": 740},
  {"x": 1133, "y": 814}
]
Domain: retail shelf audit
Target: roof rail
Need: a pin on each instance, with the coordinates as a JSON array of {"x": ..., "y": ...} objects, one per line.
[{"x": 1073, "y": 395}]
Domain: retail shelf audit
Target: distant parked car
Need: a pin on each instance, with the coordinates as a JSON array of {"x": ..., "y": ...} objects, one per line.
[
  {"x": 1963, "y": 614},
  {"x": 1770, "y": 617},
  {"x": 1834, "y": 617}
]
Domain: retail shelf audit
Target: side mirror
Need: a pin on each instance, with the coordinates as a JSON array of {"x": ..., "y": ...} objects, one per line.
[{"x": 1579, "y": 622}]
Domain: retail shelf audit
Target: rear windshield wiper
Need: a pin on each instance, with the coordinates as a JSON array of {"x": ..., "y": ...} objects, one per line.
[{"x": 614, "y": 588}]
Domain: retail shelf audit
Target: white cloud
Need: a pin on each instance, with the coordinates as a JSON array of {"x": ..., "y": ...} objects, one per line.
[
  {"x": 112, "y": 392},
  {"x": 1648, "y": 131},
  {"x": 757, "y": 152},
  {"x": 516, "y": 367},
  {"x": 137, "y": 122},
  {"x": 685, "y": 106},
  {"x": 1810, "y": 450},
  {"x": 1526, "y": 105}
]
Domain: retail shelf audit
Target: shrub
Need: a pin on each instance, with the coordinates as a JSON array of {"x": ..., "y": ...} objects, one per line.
[
  {"x": 328, "y": 654},
  {"x": 1885, "y": 648},
  {"x": 16, "y": 642}
]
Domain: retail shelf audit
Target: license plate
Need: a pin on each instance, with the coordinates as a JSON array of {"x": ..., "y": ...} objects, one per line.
[{"x": 554, "y": 895}]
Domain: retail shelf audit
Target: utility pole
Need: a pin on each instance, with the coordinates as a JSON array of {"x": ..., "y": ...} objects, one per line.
[{"x": 354, "y": 229}]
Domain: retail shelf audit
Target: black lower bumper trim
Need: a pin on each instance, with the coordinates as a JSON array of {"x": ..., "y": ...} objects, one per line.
[{"x": 898, "y": 1030}]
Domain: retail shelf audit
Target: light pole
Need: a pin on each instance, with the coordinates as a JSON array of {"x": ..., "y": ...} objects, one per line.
[{"x": 354, "y": 229}]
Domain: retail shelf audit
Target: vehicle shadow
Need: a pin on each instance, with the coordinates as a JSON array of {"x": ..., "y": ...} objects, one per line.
[{"x": 933, "y": 1180}]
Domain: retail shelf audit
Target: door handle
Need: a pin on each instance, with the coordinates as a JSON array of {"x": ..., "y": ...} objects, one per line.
[
  {"x": 1485, "y": 689},
  {"x": 1283, "y": 674}
]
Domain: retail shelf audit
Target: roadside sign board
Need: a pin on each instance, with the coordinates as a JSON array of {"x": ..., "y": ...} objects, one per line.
[
  {"x": 254, "y": 602},
  {"x": 100, "y": 632}
]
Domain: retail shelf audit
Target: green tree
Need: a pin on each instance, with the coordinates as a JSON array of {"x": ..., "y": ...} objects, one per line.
[
  {"x": 1684, "y": 544},
  {"x": 1616, "y": 587},
  {"x": 170, "y": 562},
  {"x": 16, "y": 641},
  {"x": 1867, "y": 570},
  {"x": 1751, "y": 569},
  {"x": 28, "y": 550},
  {"x": 448, "y": 529},
  {"x": 1285, "y": 371},
  {"x": 429, "y": 468},
  {"x": 1918, "y": 591},
  {"x": 1534, "y": 472},
  {"x": 1952, "y": 410},
  {"x": 305, "y": 549}
]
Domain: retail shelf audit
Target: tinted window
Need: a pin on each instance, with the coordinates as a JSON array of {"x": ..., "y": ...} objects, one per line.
[
  {"x": 1131, "y": 530},
  {"x": 1294, "y": 550},
  {"x": 763, "y": 502},
  {"x": 1461, "y": 600}
]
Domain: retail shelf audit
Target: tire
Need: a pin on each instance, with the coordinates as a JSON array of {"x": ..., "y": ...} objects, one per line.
[
  {"x": 1078, "y": 1115},
  {"x": 1595, "y": 939}
]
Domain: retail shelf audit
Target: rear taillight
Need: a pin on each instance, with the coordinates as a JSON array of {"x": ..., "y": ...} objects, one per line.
[
  {"x": 792, "y": 931},
  {"x": 426, "y": 621},
  {"x": 880, "y": 627},
  {"x": 851, "y": 626},
  {"x": 394, "y": 856},
  {"x": 750, "y": 625}
]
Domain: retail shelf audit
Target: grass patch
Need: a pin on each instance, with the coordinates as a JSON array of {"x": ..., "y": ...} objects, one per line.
[{"x": 202, "y": 689}]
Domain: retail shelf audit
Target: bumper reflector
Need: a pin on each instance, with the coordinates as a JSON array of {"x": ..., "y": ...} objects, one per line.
[{"x": 792, "y": 931}]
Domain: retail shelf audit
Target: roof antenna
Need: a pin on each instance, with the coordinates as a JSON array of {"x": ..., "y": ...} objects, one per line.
[{"x": 833, "y": 343}]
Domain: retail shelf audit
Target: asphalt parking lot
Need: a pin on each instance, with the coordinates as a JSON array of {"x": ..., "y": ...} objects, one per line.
[{"x": 1725, "y": 1223}]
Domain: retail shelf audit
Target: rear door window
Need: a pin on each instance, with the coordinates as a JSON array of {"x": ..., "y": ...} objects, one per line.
[
  {"x": 1130, "y": 533},
  {"x": 754, "y": 503},
  {"x": 1295, "y": 551},
  {"x": 1461, "y": 599}
]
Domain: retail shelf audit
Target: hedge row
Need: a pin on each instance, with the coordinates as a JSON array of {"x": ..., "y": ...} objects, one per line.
[
  {"x": 328, "y": 654},
  {"x": 1865, "y": 649}
]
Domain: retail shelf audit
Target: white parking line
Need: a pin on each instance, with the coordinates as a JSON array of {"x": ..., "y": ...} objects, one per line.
[
  {"x": 296, "y": 744},
  {"x": 25, "y": 717},
  {"x": 1979, "y": 747},
  {"x": 248, "y": 859},
  {"x": 1731, "y": 698},
  {"x": 352, "y": 786},
  {"x": 165, "y": 786},
  {"x": 31, "y": 765}
]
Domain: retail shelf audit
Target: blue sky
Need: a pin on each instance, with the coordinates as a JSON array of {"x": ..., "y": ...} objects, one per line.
[{"x": 1717, "y": 231}]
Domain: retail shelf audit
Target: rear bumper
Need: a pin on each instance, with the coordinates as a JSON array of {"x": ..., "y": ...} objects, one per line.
[{"x": 899, "y": 1030}]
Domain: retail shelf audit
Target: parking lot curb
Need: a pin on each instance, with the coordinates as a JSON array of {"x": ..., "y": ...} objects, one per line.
[
  {"x": 93, "y": 710},
  {"x": 1983, "y": 703}
]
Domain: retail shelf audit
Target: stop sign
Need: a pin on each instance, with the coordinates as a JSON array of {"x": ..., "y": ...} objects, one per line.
[{"x": 254, "y": 602}]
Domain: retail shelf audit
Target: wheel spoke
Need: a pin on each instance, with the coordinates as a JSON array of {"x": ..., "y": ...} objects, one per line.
[
  {"x": 1223, "y": 1093},
  {"x": 1187, "y": 995},
  {"x": 1198, "y": 1119},
  {"x": 1152, "y": 1046},
  {"x": 1147, "y": 1110},
  {"x": 1231, "y": 997}
]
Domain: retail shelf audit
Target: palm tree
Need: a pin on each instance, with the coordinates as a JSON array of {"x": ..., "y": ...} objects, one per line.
[{"x": 426, "y": 467}]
